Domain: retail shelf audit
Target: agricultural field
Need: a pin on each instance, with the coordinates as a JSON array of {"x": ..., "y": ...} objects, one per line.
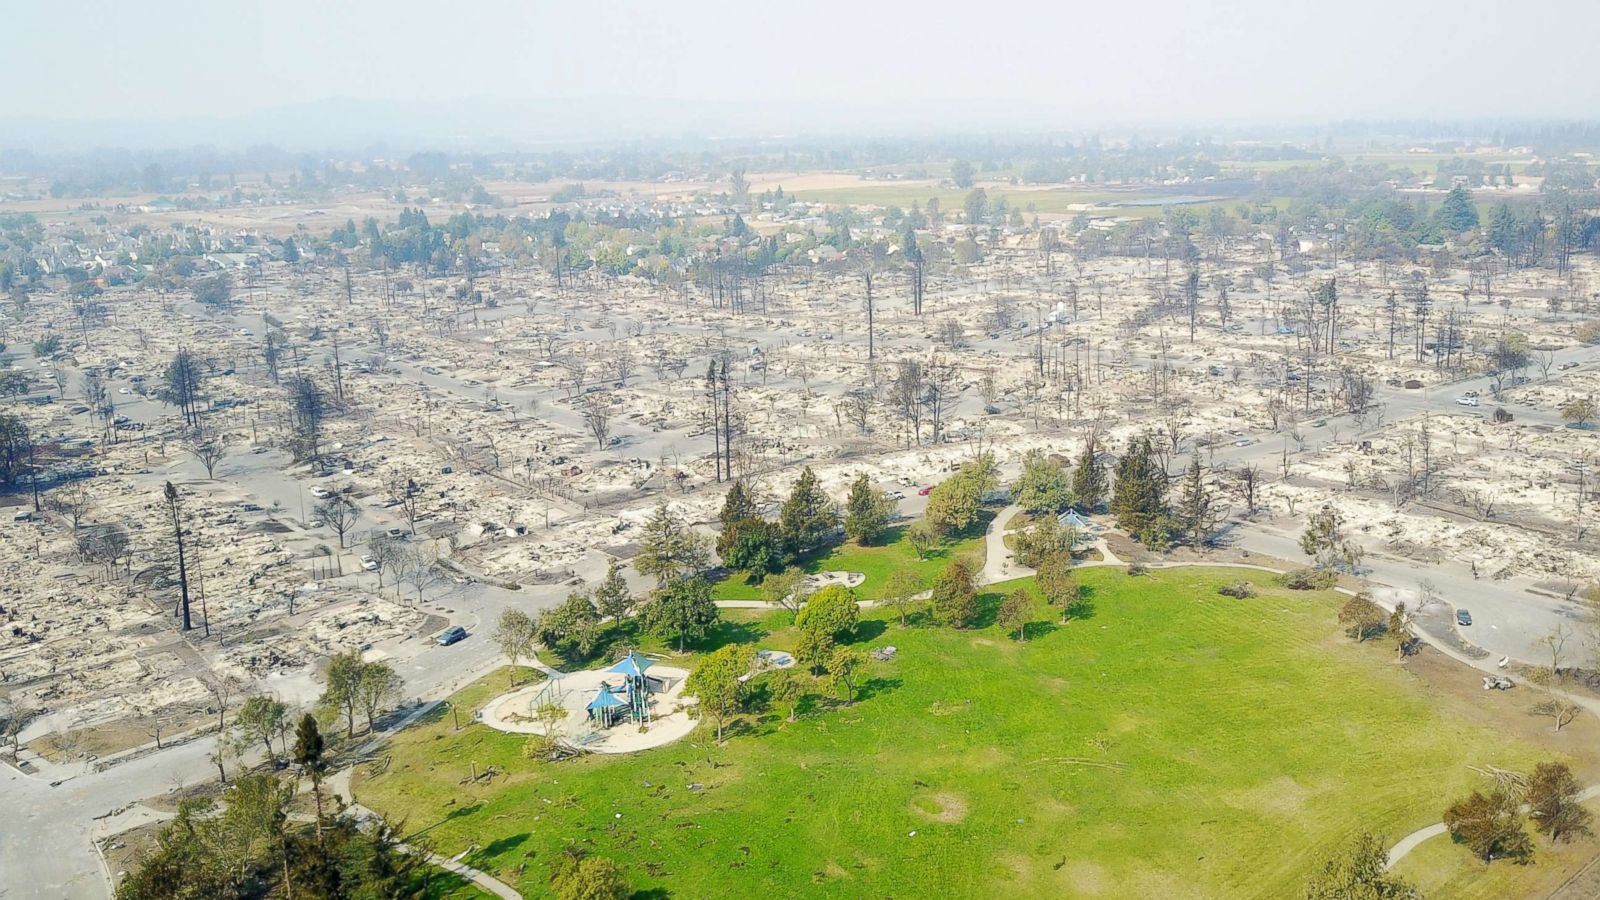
[{"x": 1173, "y": 742}]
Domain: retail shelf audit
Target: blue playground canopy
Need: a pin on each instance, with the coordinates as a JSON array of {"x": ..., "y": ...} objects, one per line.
[
  {"x": 604, "y": 699},
  {"x": 631, "y": 666}
]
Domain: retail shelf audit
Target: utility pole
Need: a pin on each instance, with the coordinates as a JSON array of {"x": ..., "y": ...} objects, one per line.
[
  {"x": 183, "y": 570},
  {"x": 871, "y": 348}
]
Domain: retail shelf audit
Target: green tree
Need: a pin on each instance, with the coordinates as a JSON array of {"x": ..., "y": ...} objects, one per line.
[
  {"x": 1139, "y": 499},
  {"x": 832, "y": 611},
  {"x": 844, "y": 671},
  {"x": 262, "y": 718},
  {"x": 682, "y": 611},
  {"x": 786, "y": 690},
  {"x": 788, "y": 589},
  {"x": 953, "y": 504},
  {"x": 1059, "y": 585},
  {"x": 342, "y": 689},
  {"x": 1457, "y": 213},
  {"x": 812, "y": 649},
  {"x": 668, "y": 549},
  {"x": 737, "y": 505},
  {"x": 903, "y": 585},
  {"x": 1015, "y": 611},
  {"x": 574, "y": 624},
  {"x": 611, "y": 596},
  {"x": 715, "y": 682},
  {"x": 515, "y": 636},
  {"x": 378, "y": 689},
  {"x": 1362, "y": 618},
  {"x": 808, "y": 517},
  {"x": 955, "y": 596},
  {"x": 308, "y": 755},
  {"x": 976, "y": 206},
  {"x": 922, "y": 537},
  {"x": 1360, "y": 871},
  {"x": 1046, "y": 537},
  {"x": 1044, "y": 488},
  {"x": 961, "y": 173},
  {"x": 1324, "y": 541},
  {"x": 867, "y": 512},
  {"x": 754, "y": 546}
]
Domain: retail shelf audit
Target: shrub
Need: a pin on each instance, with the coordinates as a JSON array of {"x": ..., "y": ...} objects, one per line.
[
  {"x": 1241, "y": 589},
  {"x": 1137, "y": 569},
  {"x": 1308, "y": 579}
]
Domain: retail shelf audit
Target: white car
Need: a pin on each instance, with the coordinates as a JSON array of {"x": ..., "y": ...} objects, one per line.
[
  {"x": 1467, "y": 401},
  {"x": 369, "y": 564},
  {"x": 321, "y": 493}
]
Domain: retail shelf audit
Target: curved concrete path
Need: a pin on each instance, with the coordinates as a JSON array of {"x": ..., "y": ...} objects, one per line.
[{"x": 997, "y": 563}]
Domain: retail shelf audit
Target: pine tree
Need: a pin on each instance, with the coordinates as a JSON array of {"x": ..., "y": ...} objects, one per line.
[
  {"x": 1089, "y": 479},
  {"x": 867, "y": 511},
  {"x": 612, "y": 596},
  {"x": 1456, "y": 213},
  {"x": 737, "y": 505},
  {"x": 1196, "y": 509},
  {"x": 1139, "y": 499},
  {"x": 808, "y": 517}
]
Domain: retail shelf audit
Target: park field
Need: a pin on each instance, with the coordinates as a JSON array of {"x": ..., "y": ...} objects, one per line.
[
  {"x": 1174, "y": 743},
  {"x": 877, "y": 562}
]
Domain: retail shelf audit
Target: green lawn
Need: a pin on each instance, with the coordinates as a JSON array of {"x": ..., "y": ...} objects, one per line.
[
  {"x": 877, "y": 562},
  {"x": 1176, "y": 743}
]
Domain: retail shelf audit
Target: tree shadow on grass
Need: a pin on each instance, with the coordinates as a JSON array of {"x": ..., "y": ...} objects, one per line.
[
  {"x": 872, "y": 687},
  {"x": 869, "y": 629},
  {"x": 480, "y": 858},
  {"x": 1042, "y": 629},
  {"x": 459, "y": 812},
  {"x": 725, "y": 632},
  {"x": 988, "y": 608},
  {"x": 655, "y": 893}
]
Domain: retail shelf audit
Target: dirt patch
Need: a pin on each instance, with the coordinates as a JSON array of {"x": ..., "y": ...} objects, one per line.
[
  {"x": 942, "y": 807},
  {"x": 1087, "y": 878},
  {"x": 123, "y": 851},
  {"x": 1282, "y": 795}
]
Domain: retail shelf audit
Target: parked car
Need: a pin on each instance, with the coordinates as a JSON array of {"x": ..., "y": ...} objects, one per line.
[
  {"x": 1466, "y": 401},
  {"x": 369, "y": 564},
  {"x": 1463, "y": 617},
  {"x": 451, "y": 635},
  {"x": 321, "y": 493},
  {"x": 925, "y": 491}
]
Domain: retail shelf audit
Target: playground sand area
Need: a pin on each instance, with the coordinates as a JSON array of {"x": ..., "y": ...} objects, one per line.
[{"x": 669, "y": 711}]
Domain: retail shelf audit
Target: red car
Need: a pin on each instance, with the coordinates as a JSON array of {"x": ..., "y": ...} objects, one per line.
[{"x": 925, "y": 491}]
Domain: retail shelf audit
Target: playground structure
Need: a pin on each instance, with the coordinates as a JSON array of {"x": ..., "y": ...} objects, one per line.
[{"x": 632, "y": 705}]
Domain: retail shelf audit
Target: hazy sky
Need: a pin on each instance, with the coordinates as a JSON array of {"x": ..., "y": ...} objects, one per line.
[{"x": 1118, "y": 61}]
